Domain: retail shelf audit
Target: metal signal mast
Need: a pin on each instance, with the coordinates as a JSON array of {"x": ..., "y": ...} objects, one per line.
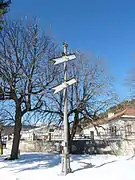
[{"x": 64, "y": 59}]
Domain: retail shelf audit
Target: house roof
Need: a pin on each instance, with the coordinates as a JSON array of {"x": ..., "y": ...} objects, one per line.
[
  {"x": 117, "y": 115},
  {"x": 128, "y": 112},
  {"x": 7, "y": 130}
]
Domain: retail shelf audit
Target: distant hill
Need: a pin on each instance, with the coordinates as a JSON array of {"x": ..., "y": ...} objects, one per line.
[
  {"x": 8, "y": 130},
  {"x": 119, "y": 107}
]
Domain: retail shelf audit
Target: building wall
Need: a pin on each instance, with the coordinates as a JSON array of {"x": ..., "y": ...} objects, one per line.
[{"x": 118, "y": 128}]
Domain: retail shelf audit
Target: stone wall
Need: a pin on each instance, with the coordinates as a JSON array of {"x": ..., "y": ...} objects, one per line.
[
  {"x": 37, "y": 146},
  {"x": 127, "y": 147},
  {"x": 119, "y": 147}
]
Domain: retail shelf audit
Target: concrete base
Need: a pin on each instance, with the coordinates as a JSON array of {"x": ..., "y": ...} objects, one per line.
[{"x": 65, "y": 160}]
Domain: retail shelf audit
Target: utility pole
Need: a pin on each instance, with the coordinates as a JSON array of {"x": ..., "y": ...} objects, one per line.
[
  {"x": 65, "y": 153},
  {"x": 66, "y": 159},
  {"x": 1, "y": 146}
]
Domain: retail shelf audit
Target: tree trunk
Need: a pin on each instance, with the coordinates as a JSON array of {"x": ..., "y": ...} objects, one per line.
[
  {"x": 75, "y": 125},
  {"x": 73, "y": 131},
  {"x": 17, "y": 130},
  {"x": 1, "y": 146}
]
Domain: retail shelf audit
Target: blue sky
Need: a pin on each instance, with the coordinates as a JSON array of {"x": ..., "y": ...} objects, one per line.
[{"x": 103, "y": 27}]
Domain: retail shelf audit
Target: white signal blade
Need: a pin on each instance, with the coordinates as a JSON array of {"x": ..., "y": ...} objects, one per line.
[
  {"x": 63, "y": 85},
  {"x": 70, "y": 57},
  {"x": 63, "y": 59},
  {"x": 58, "y": 60},
  {"x": 70, "y": 82},
  {"x": 59, "y": 88}
]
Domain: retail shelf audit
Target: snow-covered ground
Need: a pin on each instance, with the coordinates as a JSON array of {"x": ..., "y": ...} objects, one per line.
[{"x": 39, "y": 166}]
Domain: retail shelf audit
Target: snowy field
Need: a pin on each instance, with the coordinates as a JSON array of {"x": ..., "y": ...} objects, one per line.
[{"x": 39, "y": 166}]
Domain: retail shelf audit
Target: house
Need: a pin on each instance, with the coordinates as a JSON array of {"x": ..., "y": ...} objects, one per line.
[
  {"x": 118, "y": 125},
  {"x": 7, "y": 132},
  {"x": 118, "y": 128},
  {"x": 44, "y": 132}
]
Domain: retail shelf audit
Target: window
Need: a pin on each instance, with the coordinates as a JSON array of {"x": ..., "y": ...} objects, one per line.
[
  {"x": 51, "y": 130},
  {"x": 113, "y": 130},
  {"x": 128, "y": 130}
]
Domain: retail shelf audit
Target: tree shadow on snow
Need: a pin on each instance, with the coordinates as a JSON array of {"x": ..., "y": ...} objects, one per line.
[
  {"x": 106, "y": 163},
  {"x": 89, "y": 165},
  {"x": 35, "y": 161},
  {"x": 86, "y": 166},
  {"x": 131, "y": 158},
  {"x": 42, "y": 160}
]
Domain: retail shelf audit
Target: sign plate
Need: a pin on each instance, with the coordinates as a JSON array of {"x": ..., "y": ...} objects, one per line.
[
  {"x": 63, "y": 59},
  {"x": 64, "y": 85}
]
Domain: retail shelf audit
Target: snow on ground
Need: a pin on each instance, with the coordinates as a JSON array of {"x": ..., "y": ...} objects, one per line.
[{"x": 40, "y": 166}]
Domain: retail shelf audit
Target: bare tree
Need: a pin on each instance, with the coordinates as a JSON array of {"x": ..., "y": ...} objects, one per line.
[
  {"x": 25, "y": 74},
  {"x": 91, "y": 95}
]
